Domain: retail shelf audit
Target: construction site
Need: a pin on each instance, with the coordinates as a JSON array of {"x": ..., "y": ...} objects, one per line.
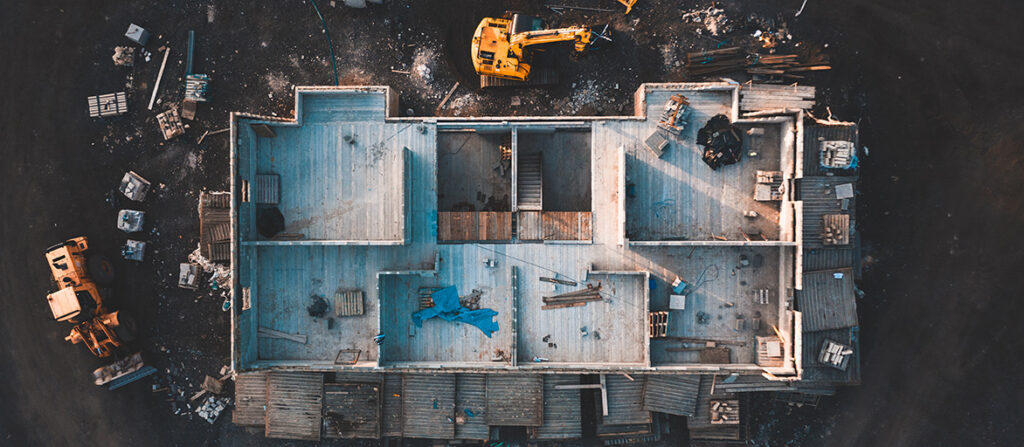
[
  {"x": 565, "y": 255},
  {"x": 518, "y": 223}
]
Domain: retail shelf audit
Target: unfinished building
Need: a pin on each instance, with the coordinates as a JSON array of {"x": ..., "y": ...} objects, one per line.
[{"x": 562, "y": 255}]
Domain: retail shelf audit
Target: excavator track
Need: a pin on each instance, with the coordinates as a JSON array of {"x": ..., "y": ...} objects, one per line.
[{"x": 537, "y": 77}]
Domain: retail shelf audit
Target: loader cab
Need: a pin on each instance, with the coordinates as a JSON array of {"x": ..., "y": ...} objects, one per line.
[{"x": 75, "y": 304}]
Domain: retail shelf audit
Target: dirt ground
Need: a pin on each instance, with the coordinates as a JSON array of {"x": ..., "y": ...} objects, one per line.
[{"x": 934, "y": 85}]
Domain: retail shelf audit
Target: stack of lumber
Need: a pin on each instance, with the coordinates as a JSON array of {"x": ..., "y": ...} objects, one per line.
[
  {"x": 733, "y": 59},
  {"x": 717, "y": 61},
  {"x": 575, "y": 298},
  {"x": 758, "y": 97}
]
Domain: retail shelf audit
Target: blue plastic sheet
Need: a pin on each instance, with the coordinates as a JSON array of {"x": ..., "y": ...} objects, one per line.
[{"x": 446, "y": 306}]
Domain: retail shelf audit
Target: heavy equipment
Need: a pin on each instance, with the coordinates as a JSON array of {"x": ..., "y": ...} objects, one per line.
[
  {"x": 78, "y": 297},
  {"x": 79, "y": 300},
  {"x": 501, "y": 49},
  {"x": 103, "y": 334}
]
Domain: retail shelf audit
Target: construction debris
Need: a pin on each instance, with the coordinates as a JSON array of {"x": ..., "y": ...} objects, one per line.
[
  {"x": 573, "y": 299},
  {"x": 130, "y": 221},
  {"x": 673, "y": 118},
  {"x": 835, "y": 354},
  {"x": 768, "y": 97},
  {"x": 558, "y": 281},
  {"x": 133, "y": 250},
  {"x": 134, "y": 187},
  {"x": 725, "y": 411},
  {"x": 837, "y": 154},
  {"x": 124, "y": 56},
  {"x": 444, "y": 101},
  {"x": 733, "y": 59},
  {"x": 188, "y": 276},
  {"x": 159, "y": 76},
  {"x": 721, "y": 141},
  {"x": 137, "y": 34},
  {"x": 212, "y": 408},
  {"x": 712, "y": 20},
  {"x": 170, "y": 124}
]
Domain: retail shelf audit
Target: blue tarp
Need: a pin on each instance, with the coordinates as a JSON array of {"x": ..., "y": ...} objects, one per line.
[{"x": 446, "y": 306}]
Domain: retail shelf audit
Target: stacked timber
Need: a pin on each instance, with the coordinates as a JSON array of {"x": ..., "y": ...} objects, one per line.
[
  {"x": 759, "y": 97},
  {"x": 734, "y": 59},
  {"x": 576, "y": 298}
]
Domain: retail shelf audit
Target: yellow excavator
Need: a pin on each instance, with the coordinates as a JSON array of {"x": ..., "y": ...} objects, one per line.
[
  {"x": 501, "y": 49},
  {"x": 78, "y": 298}
]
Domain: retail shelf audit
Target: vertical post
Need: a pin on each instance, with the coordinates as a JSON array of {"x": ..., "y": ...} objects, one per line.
[
  {"x": 191, "y": 49},
  {"x": 604, "y": 397}
]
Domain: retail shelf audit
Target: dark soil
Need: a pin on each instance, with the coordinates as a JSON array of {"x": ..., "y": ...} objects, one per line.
[{"x": 934, "y": 85}]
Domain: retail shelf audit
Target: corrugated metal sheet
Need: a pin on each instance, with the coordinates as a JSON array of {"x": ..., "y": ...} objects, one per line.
[
  {"x": 428, "y": 406},
  {"x": 471, "y": 395},
  {"x": 830, "y": 258},
  {"x": 294, "y": 405},
  {"x": 357, "y": 377},
  {"x": 562, "y": 411},
  {"x": 819, "y": 199},
  {"x": 250, "y": 399},
  {"x": 625, "y": 401},
  {"x": 392, "y": 412},
  {"x": 814, "y": 135},
  {"x": 827, "y": 302},
  {"x": 676, "y": 394},
  {"x": 814, "y": 371},
  {"x": 515, "y": 400},
  {"x": 352, "y": 410}
]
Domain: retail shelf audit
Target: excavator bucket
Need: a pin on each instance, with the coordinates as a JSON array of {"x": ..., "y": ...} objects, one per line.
[{"x": 629, "y": 4}]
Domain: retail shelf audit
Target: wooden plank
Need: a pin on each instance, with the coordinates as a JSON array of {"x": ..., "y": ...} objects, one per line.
[
  {"x": 566, "y": 225},
  {"x": 558, "y": 281},
  {"x": 294, "y": 405},
  {"x": 474, "y": 226},
  {"x": 576, "y": 299},
  {"x": 563, "y": 305},
  {"x": 530, "y": 227},
  {"x": 271, "y": 333}
]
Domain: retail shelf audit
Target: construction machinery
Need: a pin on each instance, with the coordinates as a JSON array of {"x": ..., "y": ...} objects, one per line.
[
  {"x": 501, "y": 49},
  {"x": 103, "y": 334},
  {"x": 78, "y": 297},
  {"x": 79, "y": 300},
  {"x": 628, "y": 4}
]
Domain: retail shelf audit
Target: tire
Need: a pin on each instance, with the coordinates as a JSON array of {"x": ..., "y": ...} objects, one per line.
[
  {"x": 100, "y": 269},
  {"x": 125, "y": 329}
]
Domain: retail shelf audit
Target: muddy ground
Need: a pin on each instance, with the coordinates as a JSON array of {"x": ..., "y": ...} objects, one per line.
[{"x": 934, "y": 84}]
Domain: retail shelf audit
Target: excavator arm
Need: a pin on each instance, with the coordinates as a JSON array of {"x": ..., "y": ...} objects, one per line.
[{"x": 579, "y": 35}]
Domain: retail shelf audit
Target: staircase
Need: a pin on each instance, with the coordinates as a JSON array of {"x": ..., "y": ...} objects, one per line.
[{"x": 529, "y": 189}]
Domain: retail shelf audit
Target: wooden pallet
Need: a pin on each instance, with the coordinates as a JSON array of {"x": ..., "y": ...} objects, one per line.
[
  {"x": 111, "y": 104},
  {"x": 170, "y": 124},
  {"x": 348, "y": 303}
]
